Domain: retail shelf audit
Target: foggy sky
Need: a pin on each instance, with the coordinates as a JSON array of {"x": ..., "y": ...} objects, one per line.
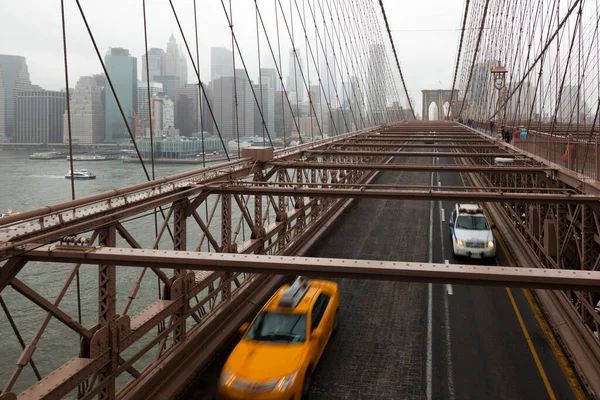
[{"x": 425, "y": 35}]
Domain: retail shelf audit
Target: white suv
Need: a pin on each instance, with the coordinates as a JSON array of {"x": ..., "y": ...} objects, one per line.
[{"x": 471, "y": 233}]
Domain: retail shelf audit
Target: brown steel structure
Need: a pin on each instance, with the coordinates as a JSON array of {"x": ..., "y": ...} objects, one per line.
[{"x": 238, "y": 227}]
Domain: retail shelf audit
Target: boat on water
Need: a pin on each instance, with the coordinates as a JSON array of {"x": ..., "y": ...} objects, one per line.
[
  {"x": 80, "y": 174},
  {"x": 88, "y": 157},
  {"x": 8, "y": 213},
  {"x": 51, "y": 155}
]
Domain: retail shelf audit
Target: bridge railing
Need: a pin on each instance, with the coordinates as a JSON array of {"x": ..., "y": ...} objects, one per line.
[
  {"x": 575, "y": 153},
  {"x": 567, "y": 146}
]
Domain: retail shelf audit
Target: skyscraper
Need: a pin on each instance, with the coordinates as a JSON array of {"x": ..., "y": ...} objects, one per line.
[
  {"x": 142, "y": 95},
  {"x": 39, "y": 116},
  {"x": 87, "y": 113},
  {"x": 122, "y": 69},
  {"x": 228, "y": 118},
  {"x": 284, "y": 119},
  {"x": 267, "y": 97},
  {"x": 269, "y": 77},
  {"x": 206, "y": 122},
  {"x": 221, "y": 63},
  {"x": 295, "y": 82},
  {"x": 175, "y": 62},
  {"x": 14, "y": 76},
  {"x": 163, "y": 115},
  {"x": 156, "y": 64},
  {"x": 315, "y": 98},
  {"x": 187, "y": 110}
]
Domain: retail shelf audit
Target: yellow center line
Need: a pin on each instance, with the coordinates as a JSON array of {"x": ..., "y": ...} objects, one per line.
[
  {"x": 561, "y": 358},
  {"x": 538, "y": 363}
]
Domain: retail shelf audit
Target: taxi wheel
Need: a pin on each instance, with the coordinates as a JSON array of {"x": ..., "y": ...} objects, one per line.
[
  {"x": 306, "y": 385},
  {"x": 335, "y": 320}
]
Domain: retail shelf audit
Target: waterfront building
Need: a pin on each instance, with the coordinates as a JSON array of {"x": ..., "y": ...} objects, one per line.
[
  {"x": 39, "y": 116},
  {"x": 87, "y": 113}
]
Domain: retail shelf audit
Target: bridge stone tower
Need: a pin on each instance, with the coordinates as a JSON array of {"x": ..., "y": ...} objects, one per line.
[{"x": 439, "y": 97}]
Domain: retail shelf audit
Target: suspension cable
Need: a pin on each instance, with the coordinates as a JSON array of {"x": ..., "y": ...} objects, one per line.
[{"x": 396, "y": 57}]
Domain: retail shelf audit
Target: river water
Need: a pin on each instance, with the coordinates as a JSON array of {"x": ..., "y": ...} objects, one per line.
[{"x": 28, "y": 184}]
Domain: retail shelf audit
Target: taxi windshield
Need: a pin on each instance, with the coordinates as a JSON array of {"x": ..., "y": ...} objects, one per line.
[
  {"x": 474, "y": 222},
  {"x": 278, "y": 327}
]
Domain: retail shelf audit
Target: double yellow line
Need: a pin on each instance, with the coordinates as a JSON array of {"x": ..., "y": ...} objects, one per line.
[{"x": 564, "y": 363}]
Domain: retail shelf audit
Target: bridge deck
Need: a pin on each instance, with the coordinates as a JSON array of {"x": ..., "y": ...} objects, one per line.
[{"x": 472, "y": 337}]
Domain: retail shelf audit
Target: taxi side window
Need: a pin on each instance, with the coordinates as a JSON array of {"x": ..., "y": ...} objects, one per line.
[{"x": 318, "y": 310}]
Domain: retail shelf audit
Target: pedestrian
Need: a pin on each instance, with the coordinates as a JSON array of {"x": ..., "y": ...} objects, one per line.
[
  {"x": 492, "y": 127},
  {"x": 473, "y": 125},
  {"x": 516, "y": 133},
  {"x": 459, "y": 120},
  {"x": 523, "y": 134}
]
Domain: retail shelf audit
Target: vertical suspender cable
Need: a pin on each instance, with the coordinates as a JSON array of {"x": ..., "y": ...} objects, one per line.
[
  {"x": 462, "y": 35},
  {"x": 200, "y": 113},
  {"x": 68, "y": 100}
]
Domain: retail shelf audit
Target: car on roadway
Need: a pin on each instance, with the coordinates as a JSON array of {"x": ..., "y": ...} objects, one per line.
[
  {"x": 471, "y": 233},
  {"x": 281, "y": 347}
]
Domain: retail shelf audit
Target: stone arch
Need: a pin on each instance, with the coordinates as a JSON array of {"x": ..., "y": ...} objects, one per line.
[
  {"x": 446, "y": 109},
  {"x": 440, "y": 98},
  {"x": 431, "y": 109}
]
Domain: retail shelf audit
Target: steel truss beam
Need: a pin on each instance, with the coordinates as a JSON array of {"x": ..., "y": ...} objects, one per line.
[
  {"x": 402, "y": 194},
  {"x": 424, "y": 138},
  {"x": 355, "y": 269},
  {"x": 409, "y": 167},
  {"x": 424, "y": 145},
  {"x": 541, "y": 189},
  {"x": 406, "y": 153}
]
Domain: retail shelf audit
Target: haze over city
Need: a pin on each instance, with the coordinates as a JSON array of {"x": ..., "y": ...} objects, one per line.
[{"x": 42, "y": 48}]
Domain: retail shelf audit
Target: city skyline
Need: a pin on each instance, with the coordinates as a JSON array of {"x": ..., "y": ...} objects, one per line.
[{"x": 168, "y": 73}]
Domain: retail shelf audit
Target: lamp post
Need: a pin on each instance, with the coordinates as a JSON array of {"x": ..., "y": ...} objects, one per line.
[{"x": 498, "y": 74}]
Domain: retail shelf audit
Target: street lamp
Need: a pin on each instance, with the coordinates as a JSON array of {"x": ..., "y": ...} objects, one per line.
[{"x": 498, "y": 73}]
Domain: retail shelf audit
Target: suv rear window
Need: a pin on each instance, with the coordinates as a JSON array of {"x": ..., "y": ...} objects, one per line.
[{"x": 474, "y": 222}]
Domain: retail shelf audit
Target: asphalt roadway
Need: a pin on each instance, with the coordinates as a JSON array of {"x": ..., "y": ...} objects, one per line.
[{"x": 400, "y": 340}]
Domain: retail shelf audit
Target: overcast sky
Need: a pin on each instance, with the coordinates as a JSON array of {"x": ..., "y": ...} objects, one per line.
[{"x": 425, "y": 33}]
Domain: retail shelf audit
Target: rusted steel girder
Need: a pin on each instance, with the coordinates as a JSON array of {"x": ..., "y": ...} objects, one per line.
[
  {"x": 411, "y": 167},
  {"x": 424, "y": 138},
  {"x": 402, "y": 194},
  {"x": 107, "y": 315},
  {"x": 535, "y": 189},
  {"x": 409, "y": 154},
  {"x": 159, "y": 185},
  {"x": 424, "y": 145},
  {"x": 355, "y": 269}
]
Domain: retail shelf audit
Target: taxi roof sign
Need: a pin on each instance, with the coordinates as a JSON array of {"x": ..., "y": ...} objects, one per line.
[{"x": 292, "y": 295}]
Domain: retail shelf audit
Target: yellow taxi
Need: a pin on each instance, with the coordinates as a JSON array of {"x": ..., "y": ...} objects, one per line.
[{"x": 281, "y": 347}]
